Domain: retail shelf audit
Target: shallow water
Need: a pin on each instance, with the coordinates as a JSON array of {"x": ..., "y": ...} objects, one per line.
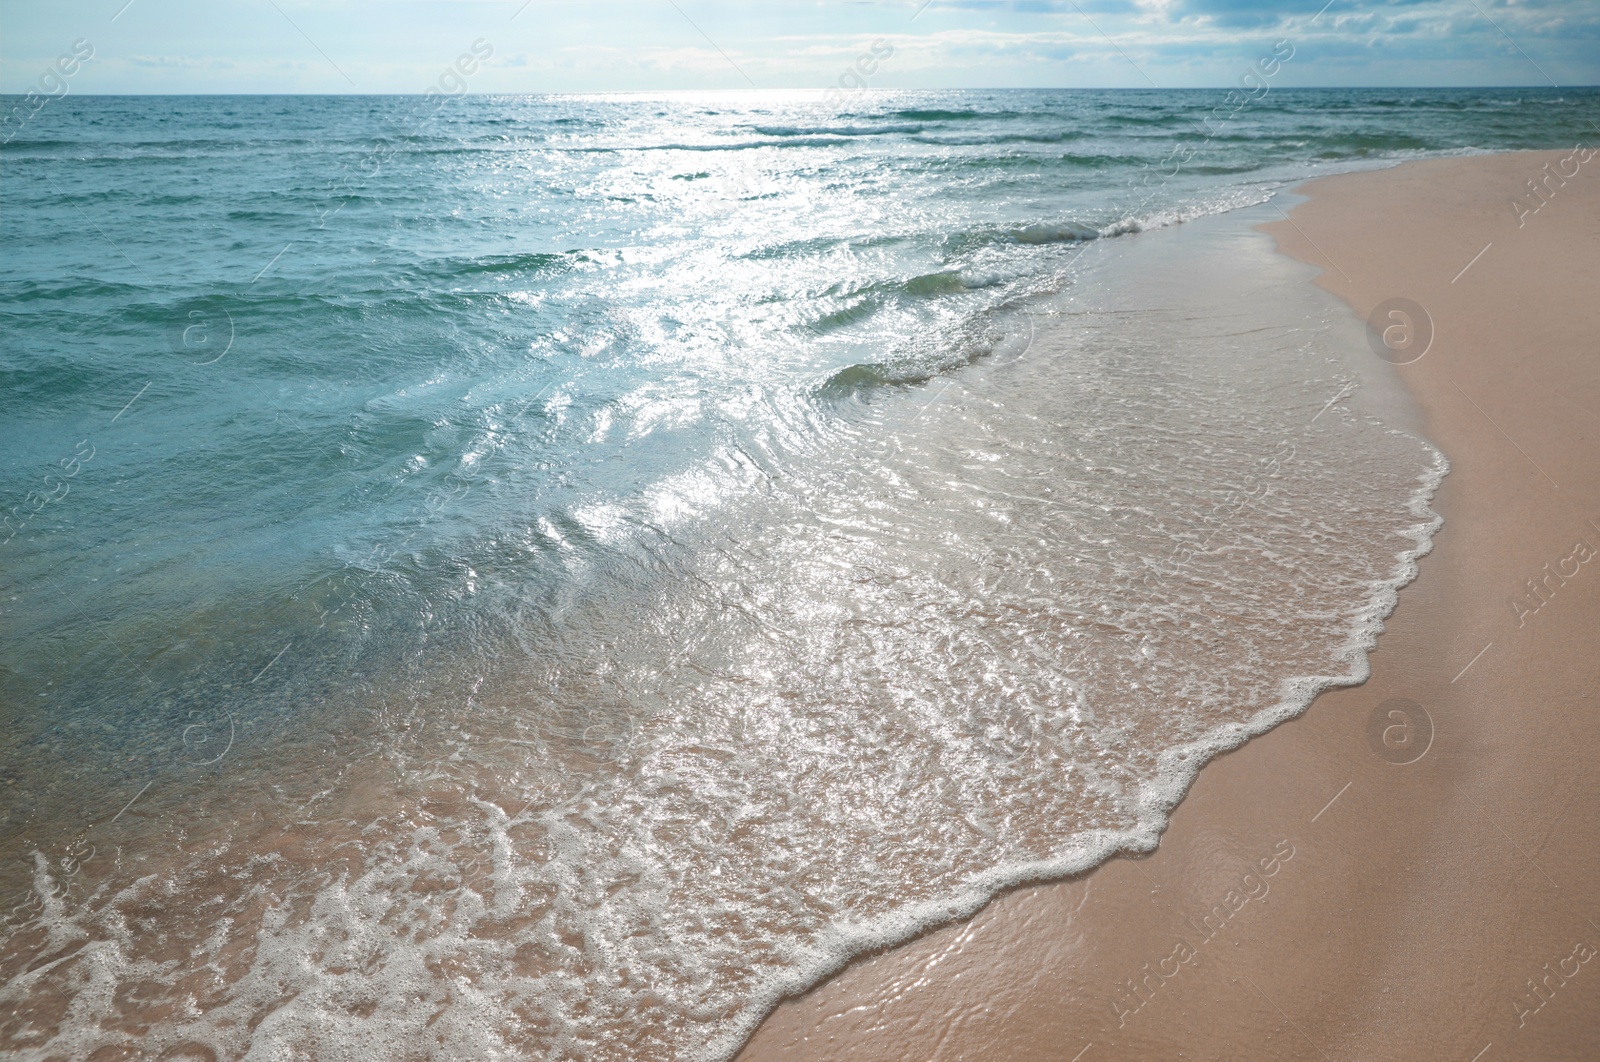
[{"x": 588, "y": 598}]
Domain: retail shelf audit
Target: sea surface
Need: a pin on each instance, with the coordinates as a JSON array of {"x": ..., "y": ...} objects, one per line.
[{"x": 544, "y": 577}]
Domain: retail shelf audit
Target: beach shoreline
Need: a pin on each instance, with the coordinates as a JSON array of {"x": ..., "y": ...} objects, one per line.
[{"x": 1402, "y": 870}]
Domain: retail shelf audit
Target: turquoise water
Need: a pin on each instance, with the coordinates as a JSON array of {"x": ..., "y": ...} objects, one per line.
[{"x": 503, "y": 473}]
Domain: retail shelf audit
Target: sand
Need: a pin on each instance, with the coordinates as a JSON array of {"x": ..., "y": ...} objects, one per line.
[{"x": 1316, "y": 896}]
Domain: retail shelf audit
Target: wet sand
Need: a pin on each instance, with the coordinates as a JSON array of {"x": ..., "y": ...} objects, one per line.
[{"x": 1409, "y": 869}]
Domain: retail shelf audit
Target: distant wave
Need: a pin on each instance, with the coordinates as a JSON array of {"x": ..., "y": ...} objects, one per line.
[
  {"x": 834, "y": 130},
  {"x": 970, "y": 140},
  {"x": 937, "y": 115}
]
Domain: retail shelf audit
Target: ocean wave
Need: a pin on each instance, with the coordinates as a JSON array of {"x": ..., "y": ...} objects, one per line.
[
  {"x": 72, "y": 287},
  {"x": 534, "y": 262},
  {"x": 1361, "y": 145},
  {"x": 834, "y": 130},
  {"x": 941, "y": 115},
  {"x": 813, "y": 140},
  {"x": 959, "y": 140},
  {"x": 855, "y": 379},
  {"x": 1052, "y": 232}
]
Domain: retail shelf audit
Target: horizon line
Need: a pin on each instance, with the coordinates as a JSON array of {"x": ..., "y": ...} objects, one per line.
[{"x": 865, "y": 91}]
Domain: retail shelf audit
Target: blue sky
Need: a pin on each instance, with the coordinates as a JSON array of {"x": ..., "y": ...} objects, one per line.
[{"x": 611, "y": 45}]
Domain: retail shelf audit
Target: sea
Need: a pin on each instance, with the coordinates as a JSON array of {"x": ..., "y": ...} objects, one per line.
[{"x": 547, "y": 577}]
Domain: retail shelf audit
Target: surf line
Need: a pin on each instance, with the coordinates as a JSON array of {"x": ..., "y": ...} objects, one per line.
[{"x": 1137, "y": 992}]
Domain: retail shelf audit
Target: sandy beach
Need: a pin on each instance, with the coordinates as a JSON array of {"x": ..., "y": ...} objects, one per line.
[
  {"x": 624, "y": 532},
  {"x": 1408, "y": 870}
]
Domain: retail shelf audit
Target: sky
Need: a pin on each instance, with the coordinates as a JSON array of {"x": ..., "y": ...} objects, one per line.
[{"x": 409, "y": 46}]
